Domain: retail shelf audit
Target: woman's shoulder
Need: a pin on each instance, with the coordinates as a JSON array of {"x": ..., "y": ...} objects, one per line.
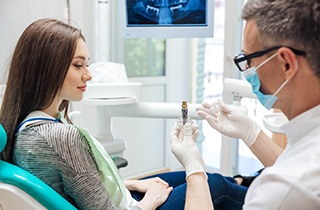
[
  {"x": 51, "y": 128},
  {"x": 52, "y": 133},
  {"x": 65, "y": 140}
]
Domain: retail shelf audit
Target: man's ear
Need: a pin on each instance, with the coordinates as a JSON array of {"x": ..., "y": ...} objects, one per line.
[{"x": 289, "y": 62}]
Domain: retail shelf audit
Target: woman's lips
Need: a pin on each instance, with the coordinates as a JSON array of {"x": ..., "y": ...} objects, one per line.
[{"x": 83, "y": 88}]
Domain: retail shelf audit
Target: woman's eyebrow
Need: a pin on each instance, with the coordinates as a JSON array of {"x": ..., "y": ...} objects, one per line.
[{"x": 79, "y": 56}]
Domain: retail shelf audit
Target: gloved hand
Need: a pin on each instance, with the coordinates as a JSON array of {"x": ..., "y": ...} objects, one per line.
[
  {"x": 183, "y": 146},
  {"x": 229, "y": 121}
]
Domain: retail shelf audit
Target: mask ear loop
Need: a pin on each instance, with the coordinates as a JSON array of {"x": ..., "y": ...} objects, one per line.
[
  {"x": 285, "y": 82},
  {"x": 252, "y": 70},
  {"x": 265, "y": 61}
]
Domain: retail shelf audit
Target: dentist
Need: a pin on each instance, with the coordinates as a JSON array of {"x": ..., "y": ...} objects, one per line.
[{"x": 280, "y": 60}]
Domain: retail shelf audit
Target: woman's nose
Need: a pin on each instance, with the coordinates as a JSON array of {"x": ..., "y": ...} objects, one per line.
[{"x": 87, "y": 76}]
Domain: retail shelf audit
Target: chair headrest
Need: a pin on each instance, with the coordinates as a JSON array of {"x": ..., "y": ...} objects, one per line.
[{"x": 3, "y": 138}]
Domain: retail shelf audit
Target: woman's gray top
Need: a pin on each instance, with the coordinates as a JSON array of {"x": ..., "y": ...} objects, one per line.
[{"x": 59, "y": 155}]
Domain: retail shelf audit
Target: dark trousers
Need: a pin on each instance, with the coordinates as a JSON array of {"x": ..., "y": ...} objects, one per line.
[{"x": 225, "y": 192}]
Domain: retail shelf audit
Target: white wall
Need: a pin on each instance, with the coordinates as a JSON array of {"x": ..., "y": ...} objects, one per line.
[
  {"x": 15, "y": 16},
  {"x": 148, "y": 140}
]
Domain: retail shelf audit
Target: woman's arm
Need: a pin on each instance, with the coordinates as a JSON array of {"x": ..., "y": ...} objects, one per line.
[{"x": 57, "y": 154}]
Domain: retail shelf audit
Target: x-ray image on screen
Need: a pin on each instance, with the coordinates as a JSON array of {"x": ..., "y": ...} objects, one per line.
[{"x": 166, "y": 12}]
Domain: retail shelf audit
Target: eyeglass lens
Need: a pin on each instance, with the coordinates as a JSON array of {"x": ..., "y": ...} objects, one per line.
[{"x": 243, "y": 64}]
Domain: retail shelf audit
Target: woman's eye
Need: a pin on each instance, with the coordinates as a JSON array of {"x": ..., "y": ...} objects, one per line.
[{"x": 78, "y": 66}]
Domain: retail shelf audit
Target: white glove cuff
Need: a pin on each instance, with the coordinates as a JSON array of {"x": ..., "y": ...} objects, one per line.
[
  {"x": 252, "y": 134},
  {"x": 195, "y": 167}
]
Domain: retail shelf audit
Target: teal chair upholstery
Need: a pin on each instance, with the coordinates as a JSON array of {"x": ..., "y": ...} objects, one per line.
[{"x": 21, "y": 190}]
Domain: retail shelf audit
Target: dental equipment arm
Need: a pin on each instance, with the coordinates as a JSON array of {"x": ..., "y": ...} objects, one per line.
[
  {"x": 232, "y": 122},
  {"x": 138, "y": 109}
]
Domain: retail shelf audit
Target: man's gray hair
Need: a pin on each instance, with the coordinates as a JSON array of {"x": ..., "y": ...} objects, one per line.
[{"x": 293, "y": 23}]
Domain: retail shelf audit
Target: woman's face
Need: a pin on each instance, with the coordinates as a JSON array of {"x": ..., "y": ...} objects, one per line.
[{"x": 78, "y": 74}]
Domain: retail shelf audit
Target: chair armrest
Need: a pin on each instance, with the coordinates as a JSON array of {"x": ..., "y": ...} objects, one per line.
[
  {"x": 32, "y": 185},
  {"x": 120, "y": 162}
]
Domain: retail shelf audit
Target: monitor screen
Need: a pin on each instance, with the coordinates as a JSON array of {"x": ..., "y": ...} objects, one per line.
[{"x": 167, "y": 18}]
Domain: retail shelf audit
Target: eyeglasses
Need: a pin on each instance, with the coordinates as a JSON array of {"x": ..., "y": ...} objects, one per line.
[{"x": 243, "y": 61}]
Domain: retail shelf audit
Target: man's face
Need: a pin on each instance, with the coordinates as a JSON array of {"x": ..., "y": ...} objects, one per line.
[{"x": 269, "y": 72}]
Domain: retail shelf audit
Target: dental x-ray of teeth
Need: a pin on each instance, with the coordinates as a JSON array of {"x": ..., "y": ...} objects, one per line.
[{"x": 167, "y": 12}]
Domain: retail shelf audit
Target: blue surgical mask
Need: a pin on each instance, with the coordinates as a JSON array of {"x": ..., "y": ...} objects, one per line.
[{"x": 252, "y": 77}]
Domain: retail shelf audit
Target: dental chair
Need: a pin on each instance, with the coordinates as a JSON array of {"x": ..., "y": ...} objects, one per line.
[{"x": 21, "y": 190}]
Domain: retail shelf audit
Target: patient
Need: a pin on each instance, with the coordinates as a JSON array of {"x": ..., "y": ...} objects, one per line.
[{"x": 48, "y": 69}]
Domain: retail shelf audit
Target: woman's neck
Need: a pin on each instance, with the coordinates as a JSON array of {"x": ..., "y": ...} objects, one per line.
[{"x": 53, "y": 109}]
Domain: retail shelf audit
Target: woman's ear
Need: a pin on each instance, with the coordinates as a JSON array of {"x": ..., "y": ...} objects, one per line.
[{"x": 289, "y": 62}]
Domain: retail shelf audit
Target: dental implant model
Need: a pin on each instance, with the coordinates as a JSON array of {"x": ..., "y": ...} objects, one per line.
[{"x": 184, "y": 112}]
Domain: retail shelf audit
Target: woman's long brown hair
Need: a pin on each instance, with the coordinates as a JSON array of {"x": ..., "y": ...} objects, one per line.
[{"x": 37, "y": 70}]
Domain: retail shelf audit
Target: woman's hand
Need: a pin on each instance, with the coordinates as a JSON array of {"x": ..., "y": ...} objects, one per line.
[
  {"x": 144, "y": 184},
  {"x": 156, "y": 194}
]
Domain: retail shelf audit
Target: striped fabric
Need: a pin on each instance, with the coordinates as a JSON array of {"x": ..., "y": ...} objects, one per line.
[{"x": 58, "y": 154}]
